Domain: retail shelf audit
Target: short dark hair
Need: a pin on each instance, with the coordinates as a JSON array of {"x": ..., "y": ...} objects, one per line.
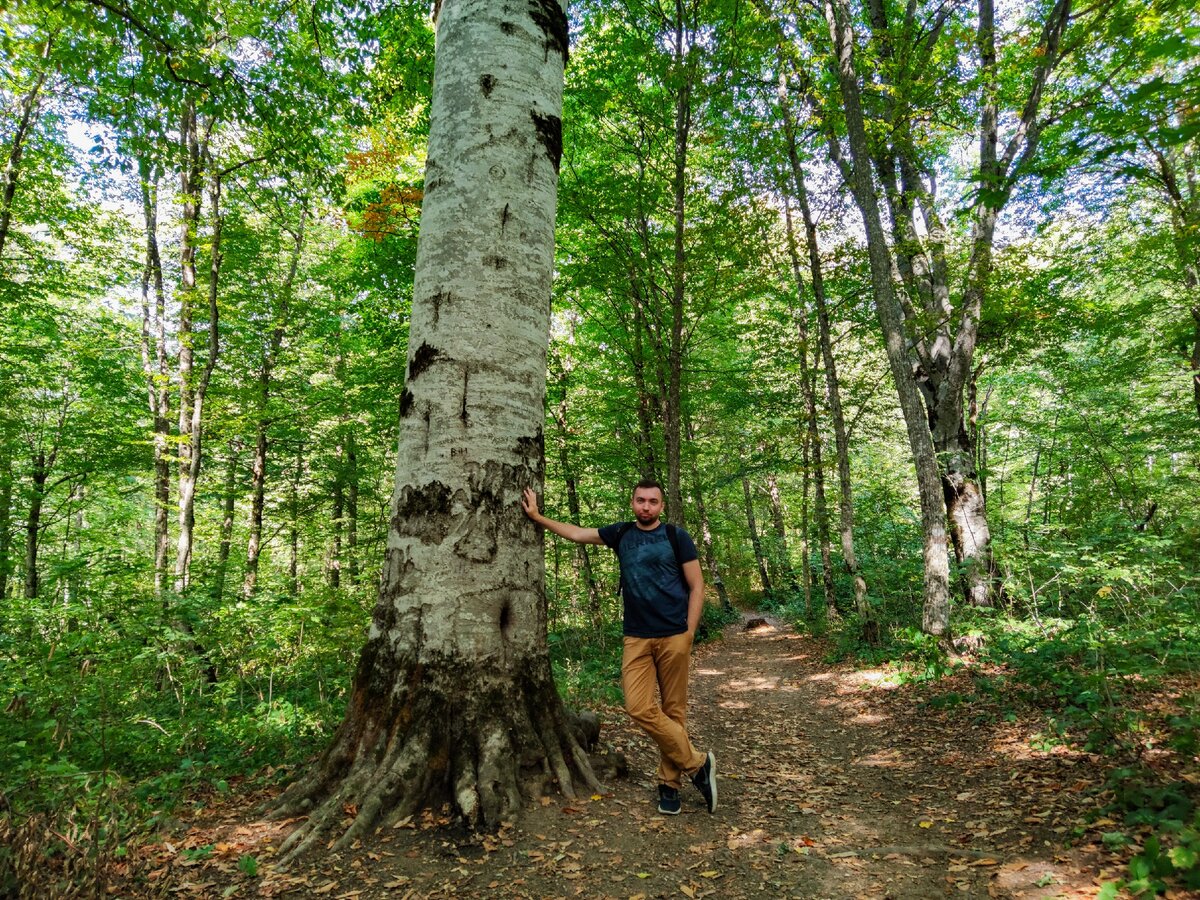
[{"x": 646, "y": 484}]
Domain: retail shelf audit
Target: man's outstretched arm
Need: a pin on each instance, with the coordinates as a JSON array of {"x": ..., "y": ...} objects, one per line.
[{"x": 562, "y": 529}]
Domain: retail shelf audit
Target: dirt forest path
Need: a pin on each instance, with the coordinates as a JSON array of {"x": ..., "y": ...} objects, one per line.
[{"x": 831, "y": 785}]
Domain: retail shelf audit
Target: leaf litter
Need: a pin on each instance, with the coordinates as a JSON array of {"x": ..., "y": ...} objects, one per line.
[{"x": 834, "y": 784}]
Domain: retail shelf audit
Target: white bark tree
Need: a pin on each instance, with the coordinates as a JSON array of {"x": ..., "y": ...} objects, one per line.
[{"x": 453, "y": 699}]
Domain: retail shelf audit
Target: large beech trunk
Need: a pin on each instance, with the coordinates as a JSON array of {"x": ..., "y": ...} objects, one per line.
[{"x": 453, "y": 699}]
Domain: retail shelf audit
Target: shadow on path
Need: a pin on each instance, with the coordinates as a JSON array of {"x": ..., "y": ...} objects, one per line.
[{"x": 832, "y": 785}]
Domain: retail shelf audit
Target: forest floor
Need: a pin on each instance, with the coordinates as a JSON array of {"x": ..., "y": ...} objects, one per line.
[{"x": 834, "y": 783}]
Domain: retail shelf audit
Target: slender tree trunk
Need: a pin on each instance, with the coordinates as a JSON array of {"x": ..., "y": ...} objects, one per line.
[
  {"x": 294, "y": 523},
  {"x": 40, "y": 471},
  {"x": 6, "y": 500},
  {"x": 805, "y": 524},
  {"x": 453, "y": 700},
  {"x": 862, "y": 607},
  {"x": 785, "y": 560},
  {"x": 352, "y": 507},
  {"x": 710, "y": 555},
  {"x": 228, "y": 503},
  {"x": 672, "y": 421},
  {"x": 936, "y": 593},
  {"x": 338, "y": 512},
  {"x": 258, "y": 490},
  {"x": 192, "y": 390},
  {"x": 648, "y": 400},
  {"x": 756, "y": 541},
  {"x": 154, "y": 369},
  {"x": 808, "y": 389},
  {"x": 706, "y": 537},
  {"x": 30, "y": 108},
  {"x": 1195, "y": 360},
  {"x": 1037, "y": 459},
  {"x": 258, "y": 477},
  {"x": 583, "y": 560}
]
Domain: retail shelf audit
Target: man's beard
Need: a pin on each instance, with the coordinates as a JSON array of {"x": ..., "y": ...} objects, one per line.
[{"x": 646, "y": 518}]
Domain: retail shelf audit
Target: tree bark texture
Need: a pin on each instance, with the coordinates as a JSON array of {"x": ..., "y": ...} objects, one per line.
[
  {"x": 808, "y": 388},
  {"x": 756, "y": 540},
  {"x": 706, "y": 536},
  {"x": 154, "y": 369},
  {"x": 673, "y": 419},
  {"x": 862, "y": 606},
  {"x": 293, "y": 570},
  {"x": 453, "y": 699},
  {"x": 936, "y": 593},
  {"x": 6, "y": 498},
  {"x": 777, "y": 523},
  {"x": 193, "y": 389},
  {"x": 40, "y": 466}
]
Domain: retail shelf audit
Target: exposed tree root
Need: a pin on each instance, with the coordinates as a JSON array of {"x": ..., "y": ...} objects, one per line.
[{"x": 483, "y": 742}]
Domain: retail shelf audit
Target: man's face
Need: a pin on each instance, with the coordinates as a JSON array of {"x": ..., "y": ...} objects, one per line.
[{"x": 647, "y": 505}]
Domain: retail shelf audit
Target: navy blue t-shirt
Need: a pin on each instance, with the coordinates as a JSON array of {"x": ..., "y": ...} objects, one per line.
[{"x": 655, "y": 592}]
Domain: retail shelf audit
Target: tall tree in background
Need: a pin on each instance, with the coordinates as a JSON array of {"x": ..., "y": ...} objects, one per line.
[
  {"x": 453, "y": 699},
  {"x": 939, "y": 333}
]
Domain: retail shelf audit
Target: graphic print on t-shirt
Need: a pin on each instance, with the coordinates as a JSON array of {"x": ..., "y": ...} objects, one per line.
[{"x": 654, "y": 593}]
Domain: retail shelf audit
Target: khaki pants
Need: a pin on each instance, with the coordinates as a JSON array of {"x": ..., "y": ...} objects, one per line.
[{"x": 662, "y": 661}]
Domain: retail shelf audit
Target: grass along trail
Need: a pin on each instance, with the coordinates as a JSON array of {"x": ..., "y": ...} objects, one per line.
[{"x": 833, "y": 784}]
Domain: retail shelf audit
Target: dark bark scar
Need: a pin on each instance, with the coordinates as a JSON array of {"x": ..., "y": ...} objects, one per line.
[
  {"x": 463, "y": 414},
  {"x": 422, "y": 360},
  {"x": 549, "y": 135},
  {"x": 550, "y": 19}
]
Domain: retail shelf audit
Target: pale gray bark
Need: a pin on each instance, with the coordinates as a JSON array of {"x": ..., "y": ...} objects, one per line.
[
  {"x": 453, "y": 698},
  {"x": 936, "y": 612},
  {"x": 154, "y": 369},
  {"x": 192, "y": 389}
]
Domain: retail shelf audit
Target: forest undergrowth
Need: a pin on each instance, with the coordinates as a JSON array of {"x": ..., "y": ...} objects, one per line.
[{"x": 86, "y": 791}]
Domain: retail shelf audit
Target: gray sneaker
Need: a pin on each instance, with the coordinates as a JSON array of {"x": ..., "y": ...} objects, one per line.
[
  {"x": 668, "y": 800},
  {"x": 705, "y": 781}
]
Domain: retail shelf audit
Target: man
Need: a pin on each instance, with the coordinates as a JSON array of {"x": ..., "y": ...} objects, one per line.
[{"x": 663, "y": 593}]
